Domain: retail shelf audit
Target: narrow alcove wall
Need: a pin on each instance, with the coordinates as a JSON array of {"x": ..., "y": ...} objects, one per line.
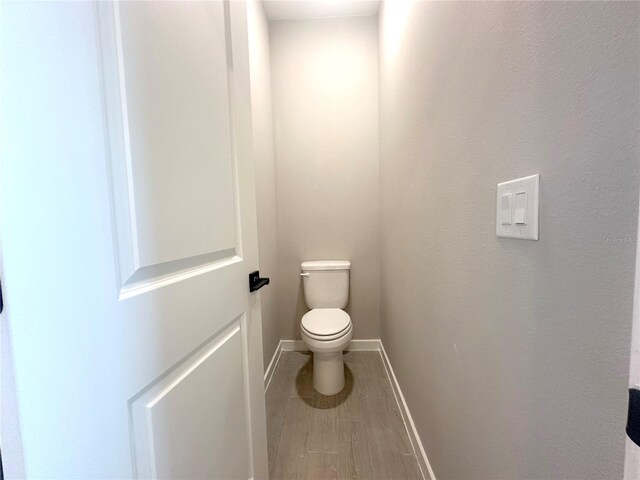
[
  {"x": 499, "y": 345},
  {"x": 315, "y": 103},
  {"x": 325, "y": 104},
  {"x": 513, "y": 354}
]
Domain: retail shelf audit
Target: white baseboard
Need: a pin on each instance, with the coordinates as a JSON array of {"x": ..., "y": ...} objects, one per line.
[
  {"x": 365, "y": 345},
  {"x": 299, "y": 346},
  {"x": 293, "y": 346},
  {"x": 268, "y": 374},
  {"x": 423, "y": 461}
]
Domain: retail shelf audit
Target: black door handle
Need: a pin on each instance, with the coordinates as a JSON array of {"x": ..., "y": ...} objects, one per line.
[
  {"x": 255, "y": 282},
  {"x": 633, "y": 416}
]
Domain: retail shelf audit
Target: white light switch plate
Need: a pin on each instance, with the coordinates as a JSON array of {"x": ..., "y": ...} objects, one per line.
[{"x": 530, "y": 187}]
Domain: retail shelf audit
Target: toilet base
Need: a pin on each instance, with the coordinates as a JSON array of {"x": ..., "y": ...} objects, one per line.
[
  {"x": 328, "y": 365},
  {"x": 328, "y": 372}
]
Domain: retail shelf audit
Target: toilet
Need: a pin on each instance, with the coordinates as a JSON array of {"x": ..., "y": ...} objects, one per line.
[{"x": 326, "y": 328}]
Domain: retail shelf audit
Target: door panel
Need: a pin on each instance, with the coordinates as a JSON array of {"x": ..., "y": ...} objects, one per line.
[
  {"x": 179, "y": 131},
  {"x": 172, "y": 163},
  {"x": 170, "y": 441}
]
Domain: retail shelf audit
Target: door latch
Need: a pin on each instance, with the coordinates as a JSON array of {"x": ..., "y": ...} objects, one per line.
[{"x": 255, "y": 282}]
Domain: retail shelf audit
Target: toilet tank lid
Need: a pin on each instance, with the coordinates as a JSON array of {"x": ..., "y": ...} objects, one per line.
[{"x": 326, "y": 265}]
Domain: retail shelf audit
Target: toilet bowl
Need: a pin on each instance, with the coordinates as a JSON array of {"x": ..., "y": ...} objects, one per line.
[
  {"x": 326, "y": 328},
  {"x": 327, "y": 332}
]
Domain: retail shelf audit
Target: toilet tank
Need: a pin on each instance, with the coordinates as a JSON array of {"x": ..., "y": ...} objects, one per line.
[{"x": 326, "y": 283}]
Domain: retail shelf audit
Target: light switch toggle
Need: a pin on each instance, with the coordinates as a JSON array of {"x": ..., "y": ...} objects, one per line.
[
  {"x": 520, "y": 214},
  {"x": 506, "y": 208}
]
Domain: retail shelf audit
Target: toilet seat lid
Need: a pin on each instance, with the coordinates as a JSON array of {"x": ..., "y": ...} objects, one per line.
[{"x": 326, "y": 321}]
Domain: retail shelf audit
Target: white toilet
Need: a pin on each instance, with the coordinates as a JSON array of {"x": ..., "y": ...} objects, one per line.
[{"x": 326, "y": 328}]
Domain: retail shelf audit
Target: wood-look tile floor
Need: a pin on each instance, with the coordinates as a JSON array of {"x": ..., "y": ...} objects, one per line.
[{"x": 356, "y": 434}]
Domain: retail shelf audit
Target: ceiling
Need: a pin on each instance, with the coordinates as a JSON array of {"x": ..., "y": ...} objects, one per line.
[{"x": 301, "y": 9}]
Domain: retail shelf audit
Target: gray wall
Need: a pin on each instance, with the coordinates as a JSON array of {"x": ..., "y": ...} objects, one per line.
[
  {"x": 325, "y": 101},
  {"x": 513, "y": 355},
  {"x": 262, "y": 118}
]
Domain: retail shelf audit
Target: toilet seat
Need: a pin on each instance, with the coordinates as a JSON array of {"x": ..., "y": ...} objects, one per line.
[
  {"x": 326, "y": 324},
  {"x": 326, "y": 338}
]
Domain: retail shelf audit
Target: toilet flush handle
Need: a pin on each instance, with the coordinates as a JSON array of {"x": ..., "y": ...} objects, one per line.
[{"x": 304, "y": 274}]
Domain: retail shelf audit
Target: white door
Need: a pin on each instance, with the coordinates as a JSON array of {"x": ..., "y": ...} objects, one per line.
[{"x": 128, "y": 233}]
